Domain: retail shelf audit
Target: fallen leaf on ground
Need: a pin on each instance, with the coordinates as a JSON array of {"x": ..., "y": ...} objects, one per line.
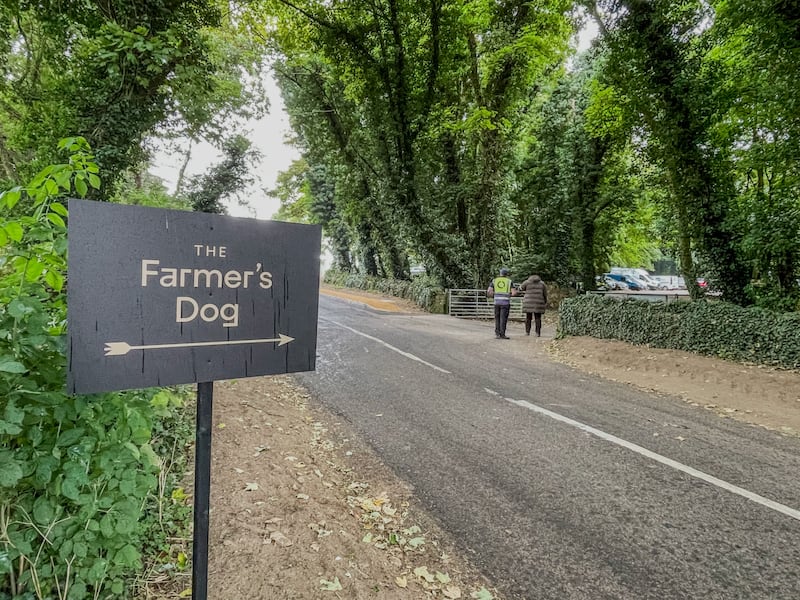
[
  {"x": 401, "y": 582},
  {"x": 422, "y": 573},
  {"x": 331, "y": 586},
  {"x": 251, "y": 487},
  {"x": 452, "y": 592},
  {"x": 280, "y": 539}
]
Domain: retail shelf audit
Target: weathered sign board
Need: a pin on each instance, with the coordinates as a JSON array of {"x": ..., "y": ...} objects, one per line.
[{"x": 161, "y": 297}]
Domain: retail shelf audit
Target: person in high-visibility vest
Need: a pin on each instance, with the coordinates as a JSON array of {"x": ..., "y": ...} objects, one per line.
[{"x": 501, "y": 288}]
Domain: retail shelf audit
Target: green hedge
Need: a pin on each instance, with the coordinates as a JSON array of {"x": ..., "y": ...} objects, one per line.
[
  {"x": 85, "y": 481},
  {"x": 713, "y": 328},
  {"x": 422, "y": 290}
]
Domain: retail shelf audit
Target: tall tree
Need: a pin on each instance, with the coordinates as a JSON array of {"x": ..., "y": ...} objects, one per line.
[
  {"x": 420, "y": 100},
  {"x": 226, "y": 180},
  {"x": 111, "y": 71},
  {"x": 656, "y": 60}
]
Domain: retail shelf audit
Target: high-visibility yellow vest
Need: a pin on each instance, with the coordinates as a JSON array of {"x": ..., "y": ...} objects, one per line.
[{"x": 502, "y": 290}]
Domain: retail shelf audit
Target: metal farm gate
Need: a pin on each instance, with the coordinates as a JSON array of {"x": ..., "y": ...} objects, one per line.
[{"x": 475, "y": 304}]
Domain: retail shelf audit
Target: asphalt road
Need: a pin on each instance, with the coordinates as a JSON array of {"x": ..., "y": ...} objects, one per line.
[{"x": 558, "y": 484}]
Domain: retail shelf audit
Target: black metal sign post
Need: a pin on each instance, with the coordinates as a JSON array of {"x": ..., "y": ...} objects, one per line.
[
  {"x": 202, "y": 490},
  {"x": 162, "y": 297}
]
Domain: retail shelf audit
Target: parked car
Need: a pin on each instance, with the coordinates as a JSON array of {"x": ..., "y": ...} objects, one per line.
[
  {"x": 627, "y": 281},
  {"x": 666, "y": 282},
  {"x": 418, "y": 270},
  {"x": 641, "y": 277}
]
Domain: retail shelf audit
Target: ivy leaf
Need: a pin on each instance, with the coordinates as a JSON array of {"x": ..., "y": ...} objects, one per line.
[
  {"x": 77, "y": 590},
  {"x": 18, "y": 309},
  {"x": 125, "y": 524},
  {"x": 43, "y": 510},
  {"x": 13, "y": 414},
  {"x": 69, "y": 488},
  {"x": 9, "y": 428},
  {"x": 127, "y": 556},
  {"x": 5, "y": 563},
  {"x": 70, "y": 436},
  {"x": 10, "y": 471},
  {"x": 482, "y": 594},
  {"x": 12, "y": 366},
  {"x": 98, "y": 570}
]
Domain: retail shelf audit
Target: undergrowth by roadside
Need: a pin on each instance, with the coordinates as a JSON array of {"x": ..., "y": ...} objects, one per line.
[
  {"x": 87, "y": 482},
  {"x": 167, "y": 520}
]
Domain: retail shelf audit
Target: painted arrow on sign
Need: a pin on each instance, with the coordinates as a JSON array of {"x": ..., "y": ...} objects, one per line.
[{"x": 122, "y": 348}]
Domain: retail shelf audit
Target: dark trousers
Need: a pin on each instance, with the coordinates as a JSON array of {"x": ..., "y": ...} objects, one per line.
[
  {"x": 500, "y": 318},
  {"x": 537, "y": 320}
]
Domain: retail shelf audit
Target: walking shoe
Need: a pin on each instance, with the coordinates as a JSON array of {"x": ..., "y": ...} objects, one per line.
[{"x": 504, "y": 337}]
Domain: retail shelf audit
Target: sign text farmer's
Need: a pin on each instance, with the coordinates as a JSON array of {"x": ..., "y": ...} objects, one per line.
[{"x": 161, "y": 297}]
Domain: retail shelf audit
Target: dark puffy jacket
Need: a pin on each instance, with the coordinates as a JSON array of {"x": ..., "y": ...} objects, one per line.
[{"x": 535, "y": 299}]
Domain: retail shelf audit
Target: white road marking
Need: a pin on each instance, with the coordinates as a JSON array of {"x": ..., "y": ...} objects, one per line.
[
  {"x": 389, "y": 346},
  {"x": 735, "y": 489}
]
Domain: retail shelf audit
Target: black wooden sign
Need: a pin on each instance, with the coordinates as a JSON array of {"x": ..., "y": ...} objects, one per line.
[{"x": 160, "y": 297}]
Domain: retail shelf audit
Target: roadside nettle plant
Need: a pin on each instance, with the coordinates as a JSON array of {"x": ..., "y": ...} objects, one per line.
[{"x": 75, "y": 471}]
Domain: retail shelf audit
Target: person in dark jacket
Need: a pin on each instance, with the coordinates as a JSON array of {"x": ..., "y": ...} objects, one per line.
[{"x": 534, "y": 302}]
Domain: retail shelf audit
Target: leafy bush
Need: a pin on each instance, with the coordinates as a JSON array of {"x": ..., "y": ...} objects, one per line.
[
  {"x": 75, "y": 471},
  {"x": 714, "y": 328},
  {"x": 423, "y": 290}
]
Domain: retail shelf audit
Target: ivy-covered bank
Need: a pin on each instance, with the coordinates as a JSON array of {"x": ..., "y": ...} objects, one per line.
[
  {"x": 86, "y": 482},
  {"x": 714, "y": 328},
  {"x": 422, "y": 290}
]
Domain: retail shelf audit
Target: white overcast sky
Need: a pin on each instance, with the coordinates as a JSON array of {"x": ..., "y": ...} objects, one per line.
[{"x": 268, "y": 135}]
